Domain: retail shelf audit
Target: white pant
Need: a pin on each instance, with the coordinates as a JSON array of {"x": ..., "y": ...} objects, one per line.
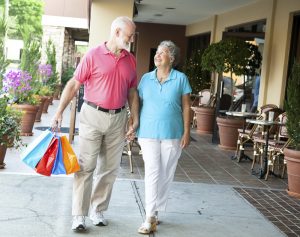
[
  {"x": 160, "y": 159},
  {"x": 102, "y": 137}
]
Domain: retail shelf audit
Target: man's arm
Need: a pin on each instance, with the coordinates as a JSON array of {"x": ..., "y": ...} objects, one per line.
[
  {"x": 67, "y": 95},
  {"x": 133, "y": 101}
]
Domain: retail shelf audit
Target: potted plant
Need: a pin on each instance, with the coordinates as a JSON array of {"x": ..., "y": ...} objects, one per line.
[
  {"x": 199, "y": 80},
  {"x": 228, "y": 55},
  {"x": 292, "y": 153},
  {"x": 43, "y": 90},
  {"x": 10, "y": 121},
  {"x": 17, "y": 84}
]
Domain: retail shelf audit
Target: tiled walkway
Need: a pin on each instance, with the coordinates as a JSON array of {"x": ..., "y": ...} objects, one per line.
[
  {"x": 282, "y": 210},
  {"x": 204, "y": 162},
  {"x": 201, "y": 162}
]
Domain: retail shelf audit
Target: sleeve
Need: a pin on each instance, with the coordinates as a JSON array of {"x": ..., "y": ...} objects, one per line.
[
  {"x": 186, "y": 87},
  {"x": 83, "y": 70},
  {"x": 140, "y": 87},
  {"x": 134, "y": 82}
]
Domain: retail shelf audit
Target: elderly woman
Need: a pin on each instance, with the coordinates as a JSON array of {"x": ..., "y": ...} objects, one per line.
[{"x": 164, "y": 128}]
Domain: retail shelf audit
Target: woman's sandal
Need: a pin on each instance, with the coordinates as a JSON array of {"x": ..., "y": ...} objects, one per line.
[
  {"x": 148, "y": 226},
  {"x": 156, "y": 218},
  {"x": 2, "y": 166}
]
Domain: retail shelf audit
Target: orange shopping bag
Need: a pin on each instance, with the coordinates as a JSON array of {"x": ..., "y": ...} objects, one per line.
[{"x": 69, "y": 157}]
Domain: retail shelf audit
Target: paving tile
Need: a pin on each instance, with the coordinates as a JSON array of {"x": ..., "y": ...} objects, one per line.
[{"x": 276, "y": 206}]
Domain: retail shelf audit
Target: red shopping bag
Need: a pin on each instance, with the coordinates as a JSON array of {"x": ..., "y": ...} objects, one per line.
[{"x": 45, "y": 165}]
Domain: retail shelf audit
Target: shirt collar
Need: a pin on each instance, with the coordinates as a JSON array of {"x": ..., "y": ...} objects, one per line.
[
  {"x": 171, "y": 75},
  {"x": 104, "y": 50}
]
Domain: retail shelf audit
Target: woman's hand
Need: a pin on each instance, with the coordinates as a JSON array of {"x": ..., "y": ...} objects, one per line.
[{"x": 185, "y": 140}]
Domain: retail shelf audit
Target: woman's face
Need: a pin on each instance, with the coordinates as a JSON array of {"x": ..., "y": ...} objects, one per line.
[{"x": 162, "y": 57}]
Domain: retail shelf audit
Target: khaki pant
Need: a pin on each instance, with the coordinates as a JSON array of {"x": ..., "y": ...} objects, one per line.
[{"x": 101, "y": 139}]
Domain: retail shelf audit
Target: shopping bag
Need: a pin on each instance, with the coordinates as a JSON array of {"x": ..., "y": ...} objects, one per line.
[
  {"x": 35, "y": 151},
  {"x": 45, "y": 165},
  {"x": 69, "y": 157},
  {"x": 59, "y": 167}
]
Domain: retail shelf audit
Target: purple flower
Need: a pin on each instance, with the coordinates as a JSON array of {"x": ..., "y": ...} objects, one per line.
[
  {"x": 17, "y": 84},
  {"x": 45, "y": 72}
]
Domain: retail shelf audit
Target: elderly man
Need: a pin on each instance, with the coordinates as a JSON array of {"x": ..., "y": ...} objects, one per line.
[{"x": 108, "y": 73}]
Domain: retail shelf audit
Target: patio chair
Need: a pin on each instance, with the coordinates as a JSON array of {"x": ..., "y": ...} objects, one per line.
[
  {"x": 259, "y": 140},
  {"x": 275, "y": 148},
  {"x": 245, "y": 137}
]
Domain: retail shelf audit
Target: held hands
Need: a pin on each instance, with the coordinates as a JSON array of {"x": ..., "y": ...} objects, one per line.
[{"x": 131, "y": 128}]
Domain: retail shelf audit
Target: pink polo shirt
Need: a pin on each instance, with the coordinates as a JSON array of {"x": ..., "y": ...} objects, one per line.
[{"x": 107, "y": 79}]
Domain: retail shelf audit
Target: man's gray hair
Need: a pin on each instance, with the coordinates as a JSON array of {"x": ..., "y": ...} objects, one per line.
[
  {"x": 120, "y": 22},
  {"x": 173, "y": 49}
]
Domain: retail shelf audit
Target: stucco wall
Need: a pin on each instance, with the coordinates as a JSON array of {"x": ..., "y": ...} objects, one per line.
[
  {"x": 103, "y": 12},
  {"x": 278, "y": 14},
  {"x": 57, "y": 35},
  {"x": 150, "y": 35},
  {"x": 66, "y": 8},
  {"x": 280, "y": 45}
]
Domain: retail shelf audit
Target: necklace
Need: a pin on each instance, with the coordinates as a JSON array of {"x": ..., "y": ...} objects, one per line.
[{"x": 161, "y": 79}]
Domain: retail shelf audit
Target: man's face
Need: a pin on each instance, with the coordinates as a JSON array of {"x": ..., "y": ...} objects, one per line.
[{"x": 125, "y": 37}]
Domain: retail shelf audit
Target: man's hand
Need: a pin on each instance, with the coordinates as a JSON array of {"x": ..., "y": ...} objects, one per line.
[
  {"x": 56, "y": 122},
  {"x": 131, "y": 128}
]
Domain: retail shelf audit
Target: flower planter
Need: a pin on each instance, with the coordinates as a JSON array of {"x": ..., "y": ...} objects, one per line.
[
  {"x": 292, "y": 158},
  {"x": 28, "y": 117},
  {"x": 228, "y": 132},
  {"x": 51, "y": 100},
  {"x": 57, "y": 92},
  {"x": 46, "y": 105},
  {"x": 205, "y": 119},
  {"x": 40, "y": 110},
  {"x": 2, "y": 156}
]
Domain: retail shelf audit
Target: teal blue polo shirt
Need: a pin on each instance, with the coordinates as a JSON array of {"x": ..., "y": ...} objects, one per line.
[{"x": 161, "y": 105}]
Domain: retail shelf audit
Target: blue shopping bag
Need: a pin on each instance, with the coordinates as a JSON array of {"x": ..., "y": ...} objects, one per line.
[
  {"x": 35, "y": 151},
  {"x": 59, "y": 167}
]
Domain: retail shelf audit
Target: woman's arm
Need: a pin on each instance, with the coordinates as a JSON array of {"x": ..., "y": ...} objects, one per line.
[{"x": 186, "y": 105}]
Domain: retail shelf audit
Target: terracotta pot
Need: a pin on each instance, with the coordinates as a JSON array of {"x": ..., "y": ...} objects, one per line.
[
  {"x": 228, "y": 132},
  {"x": 2, "y": 156},
  {"x": 51, "y": 100},
  {"x": 46, "y": 104},
  {"x": 205, "y": 119},
  {"x": 57, "y": 91},
  {"x": 292, "y": 158},
  {"x": 28, "y": 118},
  {"x": 40, "y": 110}
]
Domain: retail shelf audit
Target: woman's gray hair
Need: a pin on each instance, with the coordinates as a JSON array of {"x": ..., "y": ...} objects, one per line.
[
  {"x": 120, "y": 22},
  {"x": 173, "y": 49}
]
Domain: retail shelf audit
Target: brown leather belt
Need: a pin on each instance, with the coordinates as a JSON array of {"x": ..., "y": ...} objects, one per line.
[{"x": 110, "y": 111}]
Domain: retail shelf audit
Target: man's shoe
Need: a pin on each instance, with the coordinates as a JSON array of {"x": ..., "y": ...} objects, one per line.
[
  {"x": 78, "y": 223},
  {"x": 98, "y": 219}
]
